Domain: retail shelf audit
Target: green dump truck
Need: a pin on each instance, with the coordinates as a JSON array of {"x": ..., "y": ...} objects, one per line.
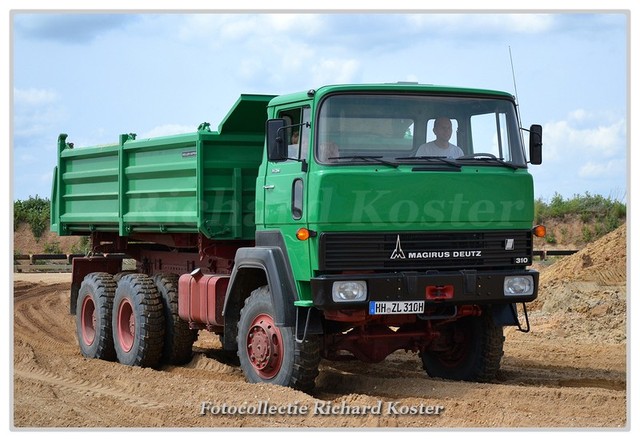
[{"x": 345, "y": 222}]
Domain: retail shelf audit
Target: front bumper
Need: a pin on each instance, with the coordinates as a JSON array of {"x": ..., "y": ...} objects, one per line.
[{"x": 468, "y": 287}]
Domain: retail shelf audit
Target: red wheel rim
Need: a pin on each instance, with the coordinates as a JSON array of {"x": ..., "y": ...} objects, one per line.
[
  {"x": 88, "y": 321},
  {"x": 264, "y": 346},
  {"x": 126, "y": 325}
]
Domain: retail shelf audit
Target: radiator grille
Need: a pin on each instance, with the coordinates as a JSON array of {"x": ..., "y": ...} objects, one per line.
[{"x": 425, "y": 250}]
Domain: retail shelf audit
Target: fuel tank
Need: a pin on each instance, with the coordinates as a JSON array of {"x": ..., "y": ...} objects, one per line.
[{"x": 201, "y": 298}]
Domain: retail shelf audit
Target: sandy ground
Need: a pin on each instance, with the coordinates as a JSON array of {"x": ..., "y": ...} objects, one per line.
[{"x": 570, "y": 371}]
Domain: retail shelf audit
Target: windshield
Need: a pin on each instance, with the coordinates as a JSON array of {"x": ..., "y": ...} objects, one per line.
[{"x": 397, "y": 129}]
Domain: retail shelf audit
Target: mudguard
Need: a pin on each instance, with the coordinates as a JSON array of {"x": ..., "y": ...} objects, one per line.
[
  {"x": 505, "y": 315},
  {"x": 252, "y": 266}
]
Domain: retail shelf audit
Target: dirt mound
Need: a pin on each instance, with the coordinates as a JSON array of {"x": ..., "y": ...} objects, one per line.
[
  {"x": 603, "y": 261},
  {"x": 25, "y": 243},
  {"x": 584, "y": 295}
]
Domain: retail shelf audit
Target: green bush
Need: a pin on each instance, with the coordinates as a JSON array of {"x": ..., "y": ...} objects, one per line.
[
  {"x": 587, "y": 234},
  {"x": 605, "y": 214},
  {"x": 551, "y": 238},
  {"x": 35, "y": 212},
  {"x": 82, "y": 247},
  {"x": 53, "y": 248}
]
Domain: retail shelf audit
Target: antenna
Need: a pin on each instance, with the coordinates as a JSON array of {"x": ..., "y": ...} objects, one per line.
[
  {"x": 515, "y": 88},
  {"x": 513, "y": 75}
]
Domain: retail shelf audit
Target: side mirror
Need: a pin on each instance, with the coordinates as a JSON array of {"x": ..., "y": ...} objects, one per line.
[
  {"x": 276, "y": 147},
  {"x": 535, "y": 144}
]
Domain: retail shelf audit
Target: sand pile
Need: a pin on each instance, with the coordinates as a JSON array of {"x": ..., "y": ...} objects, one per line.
[
  {"x": 585, "y": 294},
  {"x": 603, "y": 261}
]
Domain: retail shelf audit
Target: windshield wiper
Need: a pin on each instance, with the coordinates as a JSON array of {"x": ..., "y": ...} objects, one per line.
[
  {"x": 442, "y": 159},
  {"x": 489, "y": 158},
  {"x": 377, "y": 159}
]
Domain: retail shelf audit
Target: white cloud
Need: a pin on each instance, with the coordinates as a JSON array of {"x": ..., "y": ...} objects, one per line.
[
  {"x": 166, "y": 130},
  {"x": 216, "y": 30},
  {"x": 221, "y": 29},
  {"x": 481, "y": 24},
  {"x": 606, "y": 140},
  {"x": 250, "y": 68},
  {"x": 36, "y": 111},
  {"x": 603, "y": 169},
  {"x": 47, "y": 177},
  {"x": 300, "y": 24},
  {"x": 525, "y": 23},
  {"x": 33, "y": 97},
  {"x": 602, "y": 139},
  {"x": 578, "y": 115},
  {"x": 586, "y": 151},
  {"x": 27, "y": 158},
  {"x": 335, "y": 70},
  {"x": 192, "y": 27},
  {"x": 241, "y": 27}
]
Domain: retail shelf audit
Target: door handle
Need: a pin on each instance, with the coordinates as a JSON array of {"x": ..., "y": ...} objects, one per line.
[{"x": 268, "y": 187}]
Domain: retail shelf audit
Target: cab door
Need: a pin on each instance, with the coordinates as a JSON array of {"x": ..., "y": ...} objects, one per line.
[
  {"x": 285, "y": 188},
  {"x": 285, "y": 181}
]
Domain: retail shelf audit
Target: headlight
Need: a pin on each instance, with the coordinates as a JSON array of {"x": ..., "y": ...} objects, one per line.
[
  {"x": 518, "y": 286},
  {"x": 349, "y": 291}
]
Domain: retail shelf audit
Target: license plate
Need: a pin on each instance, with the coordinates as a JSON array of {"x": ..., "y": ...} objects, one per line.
[{"x": 409, "y": 307}]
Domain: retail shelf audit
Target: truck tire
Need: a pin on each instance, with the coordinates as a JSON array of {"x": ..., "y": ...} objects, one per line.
[
  {"x": 178, "y": 337},
  {"x": 121, "y": 274},
  {"x": 93, "y": 316},
  {"x": 474, "y": 354},
  {"x": 138, "y": 321},
  {"x": 269, "y": 354}
]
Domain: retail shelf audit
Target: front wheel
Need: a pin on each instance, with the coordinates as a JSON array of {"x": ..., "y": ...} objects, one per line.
[
  {"x": 471, "y": 351},
  {"x": 270, "y": 354}
]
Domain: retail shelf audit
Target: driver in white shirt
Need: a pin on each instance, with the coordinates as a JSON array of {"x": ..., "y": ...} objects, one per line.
[{"x": 441, "y": 146}]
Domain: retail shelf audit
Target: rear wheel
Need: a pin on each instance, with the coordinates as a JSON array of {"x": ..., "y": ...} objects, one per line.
[
  {"x": 138, "y": 321},
  {"x": 178, "y": 337},
  {"x": 270, "y": 354},
  {"x": 93, "y": 316},
  {"x": 474, "y": 349}
]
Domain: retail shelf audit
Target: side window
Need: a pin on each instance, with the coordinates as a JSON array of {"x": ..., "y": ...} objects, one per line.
[
  {"x": 491, "y": 135},
  {"x": 297, "y": 199},
  {"x": 304, "y": 133},
  {"x": 296, "y": 133}
]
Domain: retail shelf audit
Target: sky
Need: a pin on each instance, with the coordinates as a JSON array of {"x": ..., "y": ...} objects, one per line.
[{"x": 97, "y": 75}]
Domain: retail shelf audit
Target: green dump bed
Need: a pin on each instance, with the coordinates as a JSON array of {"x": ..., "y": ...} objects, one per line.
[{"x": 198, "y": 182}]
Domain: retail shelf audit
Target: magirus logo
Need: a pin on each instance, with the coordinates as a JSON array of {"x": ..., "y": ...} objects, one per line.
[{"x": 397, "y": 253}]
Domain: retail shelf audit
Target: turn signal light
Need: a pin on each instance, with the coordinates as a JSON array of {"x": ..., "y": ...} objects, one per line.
[
  {"x": 304, "y": 234},
  {"x": 539, "y": 231}
]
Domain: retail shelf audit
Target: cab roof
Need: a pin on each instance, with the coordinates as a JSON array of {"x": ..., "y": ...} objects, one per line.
[{"x": 400, "y": 87}]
